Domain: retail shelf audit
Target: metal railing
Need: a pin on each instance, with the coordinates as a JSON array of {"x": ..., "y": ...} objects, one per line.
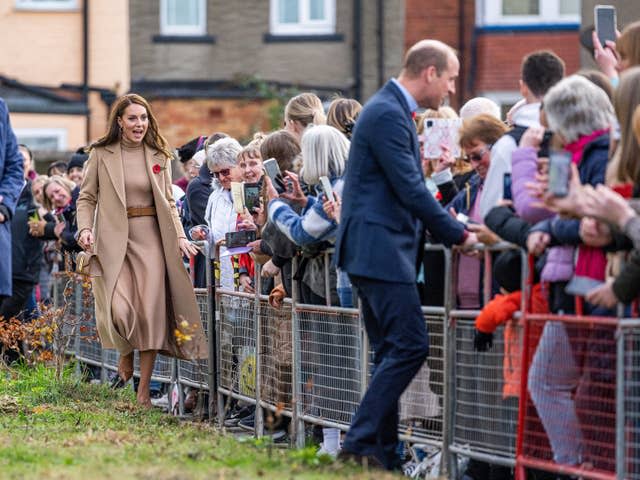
[{"x": 312, "y": 362}]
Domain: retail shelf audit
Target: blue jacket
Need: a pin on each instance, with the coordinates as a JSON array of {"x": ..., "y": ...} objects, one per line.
[
  {"x": 385, "y": 203},
  {"x": 11, "y": 182},
  {"x": 460, "y": 203}
]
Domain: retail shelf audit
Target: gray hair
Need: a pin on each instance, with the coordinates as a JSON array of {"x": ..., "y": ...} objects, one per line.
[
  {"x": 575, "y": 107},
  {"x": 479, "y": 105},
  {"x": 324, "y": 153},
  {"x": 223, "y": 153}
]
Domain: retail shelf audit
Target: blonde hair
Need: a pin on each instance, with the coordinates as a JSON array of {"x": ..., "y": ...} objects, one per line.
[
  {"x": 68, "y": 185},
  {"x": 343, "y": 113},
  {"x": 324, "y": 153},
  {"x": 305, "y": 109},
  {"x": 252, "y": 149}
]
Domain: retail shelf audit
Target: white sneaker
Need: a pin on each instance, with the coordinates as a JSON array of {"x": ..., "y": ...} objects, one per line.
[{"x": 324, "y": 451}]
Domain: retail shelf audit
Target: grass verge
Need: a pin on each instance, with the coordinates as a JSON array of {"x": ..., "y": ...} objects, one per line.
[{"x": 74, "y": 430}]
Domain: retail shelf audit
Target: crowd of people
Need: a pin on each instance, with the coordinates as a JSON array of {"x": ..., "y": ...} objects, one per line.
[{"x": 358, "y": 182}]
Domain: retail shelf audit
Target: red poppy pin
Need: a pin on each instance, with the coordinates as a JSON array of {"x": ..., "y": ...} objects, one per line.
[
  {"x": 413, "y": 115},
  {"x": 157, "y": 168}
]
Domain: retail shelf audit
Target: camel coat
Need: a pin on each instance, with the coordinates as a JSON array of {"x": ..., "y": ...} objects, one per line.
[{"x": 101, "y": 207}]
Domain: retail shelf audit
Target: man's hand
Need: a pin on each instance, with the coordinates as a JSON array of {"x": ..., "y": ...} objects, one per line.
[{"x": 483, "y": 233}]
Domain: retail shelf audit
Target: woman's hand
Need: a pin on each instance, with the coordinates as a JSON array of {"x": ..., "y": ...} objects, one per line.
[
  {"x": 333, "y": 208},
  {"x": 85, "y": 240},
  {"x": 187, "y": 248},
  {"x": 58, "y": 229},
  {"x": 36, "y": 228},
  {"x": 606, "y": 56},
  {"x": 603, "y": 295},
  {"x": 537, "y": 242},
  {"x": 532, "y": 137},
  {"x": 256, "y": 247},
  {"x": 483, "y": 233},
  {"x": 272, "y": 193},
  {"x": 294, "y": 192},
  {"x": 445, "y": 160},
  {"x": 246, "y": 221},
  {"x": 197, "y": 233},
  {"x": 607, "y": 205},
  {"x": 246, "y": 283},
  {"x": 269, "y": 269}
]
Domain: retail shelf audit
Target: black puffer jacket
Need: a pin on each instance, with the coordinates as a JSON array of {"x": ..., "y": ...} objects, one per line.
[{"x": 26, "y": 250}]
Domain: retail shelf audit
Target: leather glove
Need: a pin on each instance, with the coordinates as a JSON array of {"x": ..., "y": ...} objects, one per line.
[{"x": 482, "y": 341}]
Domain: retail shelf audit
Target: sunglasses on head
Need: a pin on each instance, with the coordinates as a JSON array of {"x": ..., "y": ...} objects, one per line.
[{"x": 225, "y": 172}]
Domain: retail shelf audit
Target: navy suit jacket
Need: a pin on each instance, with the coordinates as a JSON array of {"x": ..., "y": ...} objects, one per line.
[{"x": 385, "y": 203}]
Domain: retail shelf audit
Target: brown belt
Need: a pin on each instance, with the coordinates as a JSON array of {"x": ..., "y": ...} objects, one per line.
[{"x": 141, "y": 211}]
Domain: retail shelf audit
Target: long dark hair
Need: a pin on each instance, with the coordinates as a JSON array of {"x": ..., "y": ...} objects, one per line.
[{"x": 113, "y": 135}]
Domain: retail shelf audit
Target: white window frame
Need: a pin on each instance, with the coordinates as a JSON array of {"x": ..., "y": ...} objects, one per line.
[
  {"x": 304, "y": 26},
  {"x": 491, "y": 14},
  {"x": 60, "y": 134},
  {"x": 191, "y": 30},
  {"x": 67, "y": 5}
]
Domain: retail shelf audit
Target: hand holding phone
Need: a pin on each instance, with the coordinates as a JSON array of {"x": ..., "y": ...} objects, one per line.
[
  {"x": 605, "y": 23},
  {"x": 559, "y": 173},
  {"x": 272, "y": 170},
  {"x": 327, "y": 188}
]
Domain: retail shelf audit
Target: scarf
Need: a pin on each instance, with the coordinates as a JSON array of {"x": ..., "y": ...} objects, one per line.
[{"x": 591, "y": 261}]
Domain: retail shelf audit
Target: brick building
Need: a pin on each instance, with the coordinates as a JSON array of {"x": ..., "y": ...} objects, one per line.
[
  {"x": 493, "y": 36},
  {"x": 212, "y": 65}
]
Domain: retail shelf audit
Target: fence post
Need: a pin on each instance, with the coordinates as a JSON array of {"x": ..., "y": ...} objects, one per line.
[
  {"x": 77, "y": 320},
  {"x": 298, "y": 439},
  {"x": 448, "y": 462},
  {"x": 620, "y": 433},
  {"x": 218, "y": 333},
  {"x": 211, "y": 332},
  {"x": 259, "y": 415}
]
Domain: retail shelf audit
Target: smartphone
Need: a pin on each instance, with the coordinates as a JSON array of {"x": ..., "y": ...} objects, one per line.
[
  {"x": 251, "y": 196},
  {"x": 605, "y": 20},
  {"x": 441, "y": 131},
  {"x": 506, "y": 186},
  {"x": 327, "y": 188},
  {"x": 579, "y": 286},
  {"x": 272, "y": 169},
  {"x": 559, "y": 172}
]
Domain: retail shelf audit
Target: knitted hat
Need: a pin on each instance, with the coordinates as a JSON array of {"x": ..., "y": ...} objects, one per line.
[{"x": 77, "y": 159}]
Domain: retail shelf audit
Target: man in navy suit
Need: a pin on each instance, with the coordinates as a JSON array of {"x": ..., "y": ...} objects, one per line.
[{"x": 385, "y": 209}]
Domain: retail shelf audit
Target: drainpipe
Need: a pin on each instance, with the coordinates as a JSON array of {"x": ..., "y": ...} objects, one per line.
[
  {"x": 461, "y": 49},
  {"x": 85, "y": 67},
  {"x": 357, "y": 50},
  {"x": 380, "y": 43}
]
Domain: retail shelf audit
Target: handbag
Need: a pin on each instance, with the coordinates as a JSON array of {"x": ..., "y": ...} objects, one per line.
[{"x": 88, "y": 264}]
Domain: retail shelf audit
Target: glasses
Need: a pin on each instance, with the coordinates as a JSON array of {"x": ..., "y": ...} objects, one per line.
[
  {"x": 477, "y": 156},
  {"x": 225, "y": 172}
]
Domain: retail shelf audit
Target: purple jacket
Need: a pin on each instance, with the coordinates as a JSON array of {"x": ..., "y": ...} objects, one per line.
[{"x": 523, "y": 169}]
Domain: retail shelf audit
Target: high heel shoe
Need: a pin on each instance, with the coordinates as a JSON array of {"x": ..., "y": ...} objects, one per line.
[{"x": 118, "y": 382}]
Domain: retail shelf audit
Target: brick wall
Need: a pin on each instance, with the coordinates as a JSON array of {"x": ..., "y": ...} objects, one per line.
[
  {"x": 180, "y": 120},
  {"x": 499, "y": 56},
  {"x": 441, "y": 20}
]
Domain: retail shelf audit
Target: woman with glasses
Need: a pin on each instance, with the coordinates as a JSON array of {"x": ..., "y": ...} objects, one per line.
[
  {"x": 477, "y": 136},
  {"x": 127, "y": 216},
  {"x": 220, "y": 215}
]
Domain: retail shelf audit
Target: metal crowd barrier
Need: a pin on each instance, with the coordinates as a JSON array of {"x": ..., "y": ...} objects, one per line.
[{"x": 312, "y": 362}]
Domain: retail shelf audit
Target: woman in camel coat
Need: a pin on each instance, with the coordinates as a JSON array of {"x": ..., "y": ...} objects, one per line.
[{"x": 126, "y": 215}]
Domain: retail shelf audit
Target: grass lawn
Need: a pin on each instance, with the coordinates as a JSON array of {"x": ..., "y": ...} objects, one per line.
[{"x": 74, "y": 430}]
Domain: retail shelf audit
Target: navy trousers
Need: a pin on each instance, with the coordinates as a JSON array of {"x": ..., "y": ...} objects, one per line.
[{"x": 398, "y": 336}]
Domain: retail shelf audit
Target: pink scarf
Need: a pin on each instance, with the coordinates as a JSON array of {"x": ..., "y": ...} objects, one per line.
[{"x": 591, "y": 261}]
